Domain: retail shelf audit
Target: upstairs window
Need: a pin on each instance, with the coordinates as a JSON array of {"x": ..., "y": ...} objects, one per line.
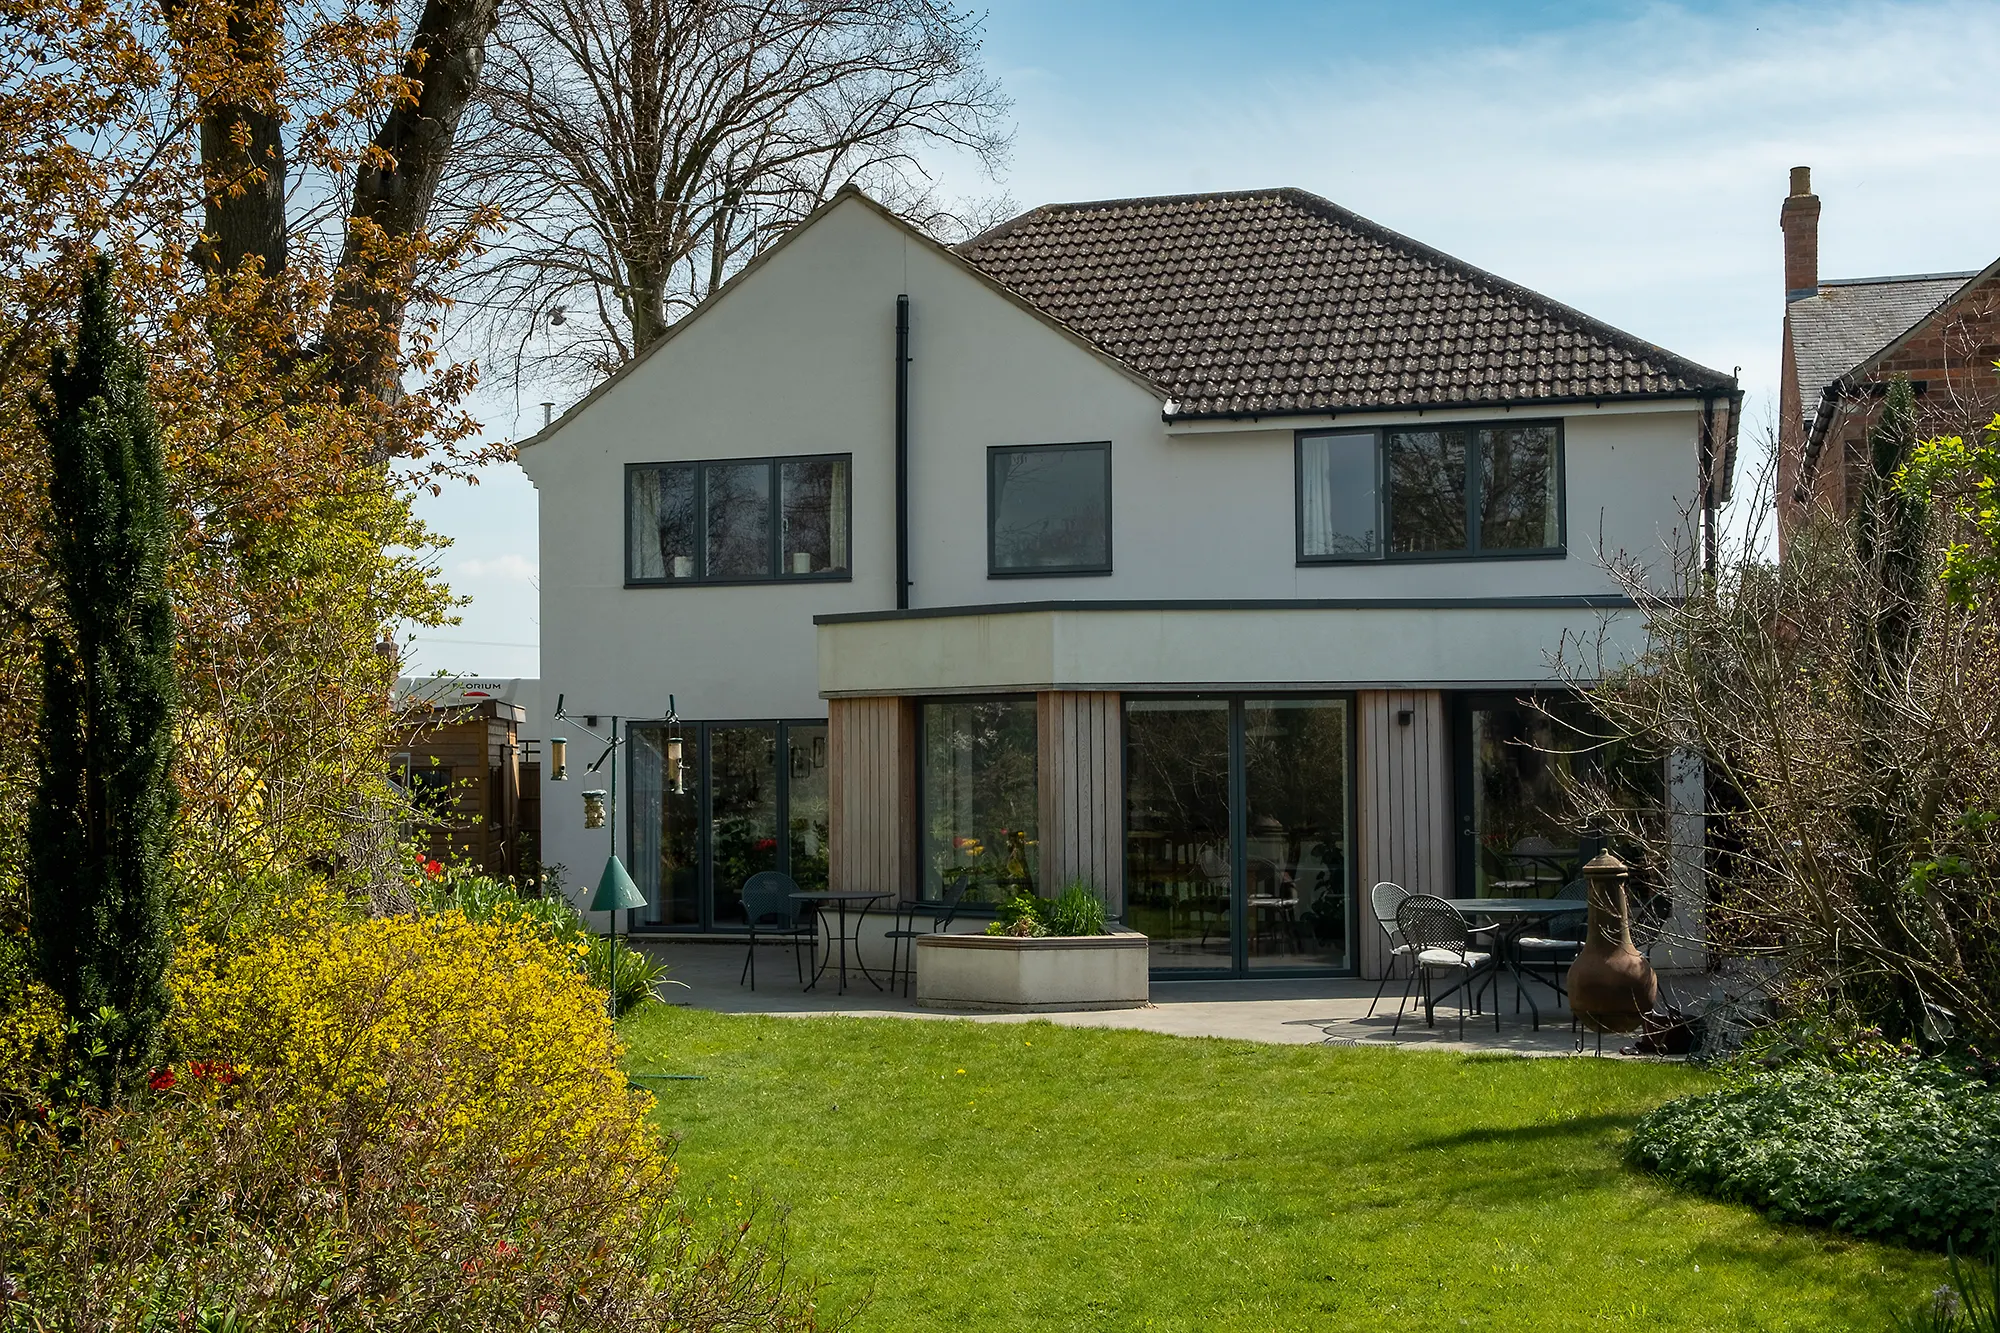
[
  {"x": 749, "y": 520},
  {"x": 1457, "y": 492},
  {"x": 1048, "y": 510}
]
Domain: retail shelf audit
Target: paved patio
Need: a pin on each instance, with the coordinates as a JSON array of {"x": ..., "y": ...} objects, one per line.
[{"x": 1297, "y": 1012}]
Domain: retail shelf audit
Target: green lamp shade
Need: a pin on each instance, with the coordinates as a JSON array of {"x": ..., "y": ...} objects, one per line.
[{"x": 615, "y": 889}]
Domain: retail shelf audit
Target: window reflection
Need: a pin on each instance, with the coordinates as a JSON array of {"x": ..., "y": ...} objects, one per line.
[
  {"x": 1427, "y": 490},
  {"x": 1051, "y": 508},
  {"x": 1518, "y": 504},
  {"x": 1296, "y": 833},
  {"x": 739, "y": 520},
  {"x": 806, "y": 796},
  {"x": 1179, "y": 877},
  {"x": 814, "y": 513},
  {"x": 979, "y": 798}
]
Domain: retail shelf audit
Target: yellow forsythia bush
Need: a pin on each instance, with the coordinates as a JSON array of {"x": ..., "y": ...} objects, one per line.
[{"x": 480, "y": 1032}]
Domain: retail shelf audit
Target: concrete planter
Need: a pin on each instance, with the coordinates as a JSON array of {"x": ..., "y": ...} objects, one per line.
[{"x": 999, "y": 972}]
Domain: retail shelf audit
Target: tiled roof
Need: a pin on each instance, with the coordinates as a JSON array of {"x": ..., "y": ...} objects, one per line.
[
  {"x": 1854, "y": 318},
  {"x": 1275, "y": 301}
]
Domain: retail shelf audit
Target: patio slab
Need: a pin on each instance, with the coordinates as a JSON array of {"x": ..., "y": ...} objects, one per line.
[{"x": 1286, "y": 1011}]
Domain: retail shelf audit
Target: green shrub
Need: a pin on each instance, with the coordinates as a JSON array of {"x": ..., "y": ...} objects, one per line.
[
  {"x": 1078, "y": 911},
  {"x": 1897, "y": 1147}
]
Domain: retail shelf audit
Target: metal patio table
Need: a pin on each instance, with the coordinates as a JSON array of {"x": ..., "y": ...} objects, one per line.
[
  {"x": 1510, "y": 917},
  {"x": 822, "y": 899}
]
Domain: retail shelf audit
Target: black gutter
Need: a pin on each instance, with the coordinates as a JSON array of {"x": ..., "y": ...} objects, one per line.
[
  {"x": 1551, "y": 602},
  {"x": 903, "y": 453},
  {"x": 1481, "y": 404}
]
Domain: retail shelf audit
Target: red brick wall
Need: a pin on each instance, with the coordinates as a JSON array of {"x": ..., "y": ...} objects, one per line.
[{"x": 1950, "y": 360}]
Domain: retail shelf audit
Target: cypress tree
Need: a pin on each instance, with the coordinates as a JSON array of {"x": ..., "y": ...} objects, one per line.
[{"x": 101, "y": 825}]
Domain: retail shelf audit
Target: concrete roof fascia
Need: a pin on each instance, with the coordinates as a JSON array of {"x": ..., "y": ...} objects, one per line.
[
  {"x": 1852, "y": 380},
  {"x": 845, "y": 193}
]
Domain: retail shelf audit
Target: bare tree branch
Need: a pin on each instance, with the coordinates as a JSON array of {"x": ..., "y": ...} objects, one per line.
[{"x": 644, "y": 150}]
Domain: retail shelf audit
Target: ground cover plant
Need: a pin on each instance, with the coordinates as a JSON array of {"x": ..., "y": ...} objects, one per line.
[
  {"x": 1884, "y": 1144},
  {"x": 1033, "y": 1176}
]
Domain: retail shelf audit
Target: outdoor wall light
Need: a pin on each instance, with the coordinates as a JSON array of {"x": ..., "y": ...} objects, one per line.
[
  {"x": 1404, "y": 715},
  {"x": 558, "y": 759},
  {"x": 593, "y": 809}
]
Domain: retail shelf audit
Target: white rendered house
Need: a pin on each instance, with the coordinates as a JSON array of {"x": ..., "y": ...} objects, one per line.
[{"x": 1201, "y": 548}]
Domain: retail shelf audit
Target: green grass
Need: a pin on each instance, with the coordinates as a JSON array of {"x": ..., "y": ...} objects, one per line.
[{"x": 1001, "y": 1176}]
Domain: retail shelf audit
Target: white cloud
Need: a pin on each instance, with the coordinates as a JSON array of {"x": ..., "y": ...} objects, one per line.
[{"x": 508, "y": 568}]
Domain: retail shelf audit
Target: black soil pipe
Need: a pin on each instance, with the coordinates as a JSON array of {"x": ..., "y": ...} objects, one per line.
[{"x": 902, "y": 453}]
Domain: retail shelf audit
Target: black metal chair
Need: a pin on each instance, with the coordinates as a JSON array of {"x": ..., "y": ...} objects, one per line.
[
  {"x": 774, "y": 914},
  {"x": 1385, "y": 898},
  {"x": 1442, "y": 942},
  {"x": 903, "y": 939},
  {"x": 1545, "y": 957}
]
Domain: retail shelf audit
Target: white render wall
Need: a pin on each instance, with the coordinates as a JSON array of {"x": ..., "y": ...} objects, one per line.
[{"x": 798, "y": 358}]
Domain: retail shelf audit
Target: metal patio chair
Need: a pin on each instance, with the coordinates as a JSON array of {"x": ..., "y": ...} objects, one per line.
[
  {"x": 774, "y": 914},
  {"x": 1385, "y": 898},
  {"x": 1545, "y": 956},
  {"x": 903, "y": 939},
  {"x": 1442, "y": 942}
]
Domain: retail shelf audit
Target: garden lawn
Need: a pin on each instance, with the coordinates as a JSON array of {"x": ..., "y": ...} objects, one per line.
[{"x": 1015, "y": 1176}]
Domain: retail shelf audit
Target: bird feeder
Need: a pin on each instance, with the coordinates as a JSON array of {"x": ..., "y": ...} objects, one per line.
[{"x": 593, "y": 809}]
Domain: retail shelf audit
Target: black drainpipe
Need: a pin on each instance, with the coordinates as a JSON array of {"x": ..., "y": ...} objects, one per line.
[
  {"x": 902, "y": 453},
  {"x": 1708, "y": 486}
]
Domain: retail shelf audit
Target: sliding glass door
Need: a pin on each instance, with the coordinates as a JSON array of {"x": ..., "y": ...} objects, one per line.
[
  {"x": 1180, "y": 864},
  {"x": 1238, "y": 832},
  {"x": 1521, "y": 761},
  {"x": 744, "y": 797}
]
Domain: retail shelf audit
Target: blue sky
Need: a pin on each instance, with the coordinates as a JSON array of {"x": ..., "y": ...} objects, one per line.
[{"x": 1628, "y": 159}]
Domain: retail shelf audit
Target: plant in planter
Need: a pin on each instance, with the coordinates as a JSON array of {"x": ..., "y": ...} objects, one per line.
[
  {"x": 1040, "y": 954},
  {"x": 1078, "y": 910}
]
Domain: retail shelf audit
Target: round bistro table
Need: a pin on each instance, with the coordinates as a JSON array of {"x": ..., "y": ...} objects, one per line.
[
  {"x": 821, "y": 900},
  {"x": 1510, "y": 918}
]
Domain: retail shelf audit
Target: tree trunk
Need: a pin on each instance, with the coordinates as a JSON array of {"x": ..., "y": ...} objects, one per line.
[{"x": 393, "y": 190}]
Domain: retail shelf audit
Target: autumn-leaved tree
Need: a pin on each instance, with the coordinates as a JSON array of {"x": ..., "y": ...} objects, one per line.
[{"x": 261, "y": 177}]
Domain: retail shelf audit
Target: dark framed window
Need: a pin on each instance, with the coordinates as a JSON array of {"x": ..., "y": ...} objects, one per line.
[
  {"x": 1048, "y": 510},
  {"x": 738, "y": 520},
  {"x": 1471, "y": 491}
]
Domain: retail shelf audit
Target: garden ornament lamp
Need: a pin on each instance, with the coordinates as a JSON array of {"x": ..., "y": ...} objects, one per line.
[{"x": 615, "y": 893}]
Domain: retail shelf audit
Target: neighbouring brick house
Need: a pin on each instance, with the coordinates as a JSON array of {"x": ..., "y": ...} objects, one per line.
[{"x": 1847, "y": 338}]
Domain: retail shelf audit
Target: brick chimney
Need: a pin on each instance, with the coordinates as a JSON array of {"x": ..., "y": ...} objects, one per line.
[{"x": 1799, "y": 220}]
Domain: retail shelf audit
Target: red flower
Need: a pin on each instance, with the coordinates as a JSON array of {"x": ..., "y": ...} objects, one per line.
[
  {"x": 433, "y": 869},
  {"x": 161, "y": 1080},
  {"x": 220, "y": 1070},
  {"x": 767, "y": 844}
]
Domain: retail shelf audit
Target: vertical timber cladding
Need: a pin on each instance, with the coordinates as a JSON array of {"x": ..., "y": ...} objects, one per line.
[
  {"x": 1080, "y": 750},
  {"x": 1404, "y": 803},
  {"x": 872, "y": 796}
]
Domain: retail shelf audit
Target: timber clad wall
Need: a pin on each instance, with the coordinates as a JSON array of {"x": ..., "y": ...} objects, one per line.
[
  {"x": 1404, "y": 790},
  {"x": 1081, "y": 758},
  {"x": 872, "y": 795}
]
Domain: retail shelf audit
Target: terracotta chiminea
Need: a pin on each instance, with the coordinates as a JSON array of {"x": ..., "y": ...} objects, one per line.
[{"x": 1610, "y": 984}]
